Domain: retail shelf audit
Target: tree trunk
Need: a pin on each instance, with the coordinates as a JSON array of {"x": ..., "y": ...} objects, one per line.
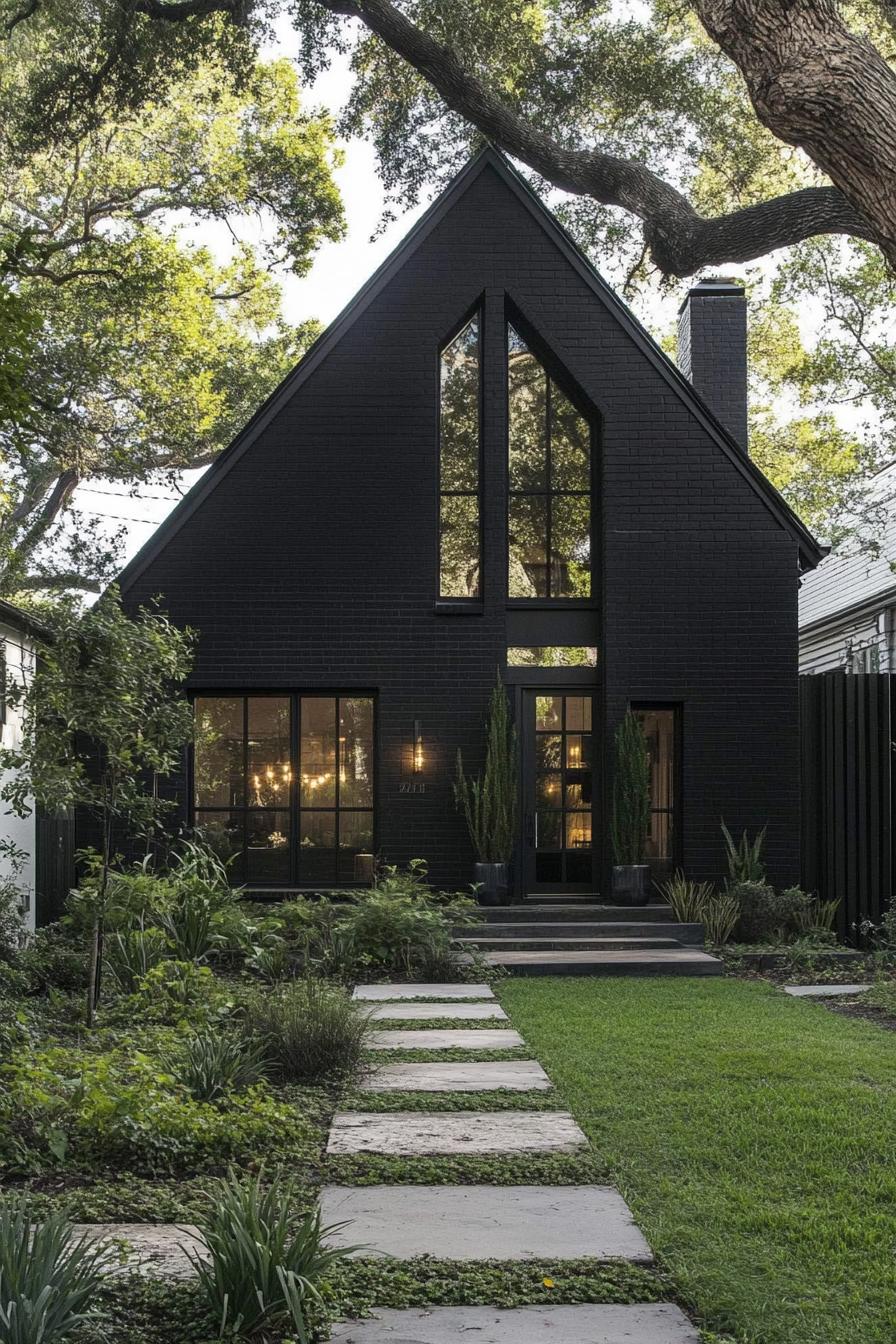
[{"x": 817, "y": 85}]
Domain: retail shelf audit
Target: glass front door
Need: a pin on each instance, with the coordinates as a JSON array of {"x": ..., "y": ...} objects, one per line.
[{"x": 558, "y": 764}]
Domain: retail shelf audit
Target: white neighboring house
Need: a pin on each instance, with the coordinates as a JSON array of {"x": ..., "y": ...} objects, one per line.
[
  {"x": 848, "y": 604},
  {"x": 20, "y": 639}
]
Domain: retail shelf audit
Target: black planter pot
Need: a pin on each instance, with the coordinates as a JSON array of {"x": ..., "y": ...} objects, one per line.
[
  {"x": 493, "y": 883},
  {"x": 630, "y": 883}
]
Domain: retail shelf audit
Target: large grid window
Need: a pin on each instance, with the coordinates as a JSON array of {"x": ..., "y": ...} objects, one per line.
[
  {"x": 660, "y": 726},
  {"x": 283, "y": 784},
  {"x": 460, "y": 545},
  {"x": 549, "y": 509}
]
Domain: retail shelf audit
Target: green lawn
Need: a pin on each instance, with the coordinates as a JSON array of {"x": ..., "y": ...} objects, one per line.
[{"x": 754, "y": 1136}]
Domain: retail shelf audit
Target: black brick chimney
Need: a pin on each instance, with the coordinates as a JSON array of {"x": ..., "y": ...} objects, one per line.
[{"x": 712, "y": 350}]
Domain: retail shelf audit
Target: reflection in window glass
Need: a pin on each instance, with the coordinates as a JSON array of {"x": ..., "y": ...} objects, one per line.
[
  {"x": 274, "y": 816},
  {"x": 558, "y": 655},
  {"x": 549, "y": 467},
  {"x": 459, "y": 457}
]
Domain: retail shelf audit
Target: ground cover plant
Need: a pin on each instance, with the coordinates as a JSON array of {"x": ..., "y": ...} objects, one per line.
[{"x": 752, "y": 1135}]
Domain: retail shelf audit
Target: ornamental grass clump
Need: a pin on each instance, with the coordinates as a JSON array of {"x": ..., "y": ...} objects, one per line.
[
  {"x": 687, "y": 899},
  {"x": 211, "y": 1065},
  {"x": 308, "y": 1030},
  {"x": 262, "y": 1269},
  {"x": 48, "y": 1278}
]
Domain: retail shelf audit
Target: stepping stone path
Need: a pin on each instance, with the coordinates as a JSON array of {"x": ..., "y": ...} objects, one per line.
[
  {"x": 823, "y": 991},
  {"x": 156, "y": 1250},
  {"x": 448, "y": 1038},
  {"x": 504, "y": 1075},
  {"x": 479, "y": 1222},
  {"x": 460, "y": 1012}
]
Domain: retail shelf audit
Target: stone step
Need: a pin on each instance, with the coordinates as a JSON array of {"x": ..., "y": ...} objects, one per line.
[
  {"x": 581, "y": 928},
  {"x": 682, "y": 961},
  {"x": 449, "y": 1133},
  {"x": 496, "y": 1075},
  {"x": 445, "y": 1038},
  {"x": 591, "y": 1324},
  {"x": 383, "y": 993},
  {"x": 552, "y": 913},
  {"x": 485, "y": 1222},
  {"x": 459, "y": 1012},
  {"x": 567, "y": 942}
]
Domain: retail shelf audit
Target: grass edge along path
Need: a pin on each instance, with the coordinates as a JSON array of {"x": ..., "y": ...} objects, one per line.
[{"x": 753, "y": 1136}]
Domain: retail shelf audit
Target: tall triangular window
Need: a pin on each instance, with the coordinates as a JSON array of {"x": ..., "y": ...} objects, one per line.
[
  {"x": 460, "y": 544},
  {"x": 549, "y": 510}
]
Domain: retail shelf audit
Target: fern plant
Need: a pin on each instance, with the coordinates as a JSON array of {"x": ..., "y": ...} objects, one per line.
[
  {"x": 745, "y": 857},
  {"x": 489, "y": 801},
  {"x": 630, "y": 821}
]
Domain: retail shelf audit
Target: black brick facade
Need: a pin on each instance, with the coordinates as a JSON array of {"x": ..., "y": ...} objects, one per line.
[{"x": 313, "y": 563}]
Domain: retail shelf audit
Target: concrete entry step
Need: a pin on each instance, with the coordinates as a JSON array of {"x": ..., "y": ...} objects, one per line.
[
  {"x": 532, "y": 912},
  {"x": 485, "y": 1222},
  {"x": 566, "y": 942},
  {"x": 385, "y": 993},
  {"x": 417, "y": 1133},
  {"x": 582, "y": 928},
  {"x": 647, "y": 1324},
  {"x": 408, "y": 1012},
  {"x": 505, "y": 1075},
  {"x": 683, "y": 961}
]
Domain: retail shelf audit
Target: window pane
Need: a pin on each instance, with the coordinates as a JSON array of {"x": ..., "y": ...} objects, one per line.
[
  {"x": 528, "y": 528},
  {"x": 548, "y": 752},
  {"x": 317, "y": 749},
  {"x": 558, "y": 655},
  {"x": 270, "y": 775},
  {"x": 224, "y": 832},
  {"x": 547, "y": 790},
  {"x": 659, "y": 731},
  {"x": 548, "y": 712},
  {"x": 317, "y": 830},
  {"x": 267, "y": 849},
  {"x": 355, "y": 753},
  {"x": 356, "y": 830},
  {"x": 548, "y": 828},
  {"x": 459, "y": 462},
  {"x": 578, "y": 713},
  {"x": 459, "y": 546},
  {"x": 571, "y": 546},
  {"x": 570, "y": 445},
  {"x": 218, "y": 752},
  {"x": 578, "y": 830},
  {"x": 578, "y": 751},
  {"x": 527, "y": 409}
]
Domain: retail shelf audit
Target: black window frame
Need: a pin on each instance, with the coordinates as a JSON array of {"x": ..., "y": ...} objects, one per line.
[
  {"x": 443, "y": 600},
  {"x": 553, "y": 374},
  {"x": 294, "y": 807}
]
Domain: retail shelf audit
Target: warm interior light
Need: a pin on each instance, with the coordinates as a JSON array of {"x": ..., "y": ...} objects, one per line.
[{"x": 418, "y": 747}]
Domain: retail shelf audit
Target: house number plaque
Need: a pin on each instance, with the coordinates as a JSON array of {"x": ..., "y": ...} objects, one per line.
[{"x": 409, "y": 787}]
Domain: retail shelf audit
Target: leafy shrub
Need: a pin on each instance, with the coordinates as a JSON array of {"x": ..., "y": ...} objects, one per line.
[
  {"x": 55, "y": 959},
  {"x": 745, "y": 857},
  {"x": 392, "y": 934},
  {"x": 719, "y": 917},
  {"x": 767, "y": 915},
  {"x": 308, "y": 1030},
  {"x": 211, "y": 1064},
  {"x": 809, "y": 912},
  {"x": 274, "y": 961},
  {"x": 882, "y": 995},
  {"x": 48, "y": 1280},
  {"x": 262, "y": 1273},
  {"x": 93, "y": 1111},
  {"x": 11, "y": 927},
  {"x": 175, "y": 991},
  {"x": 687, "y": 899}
]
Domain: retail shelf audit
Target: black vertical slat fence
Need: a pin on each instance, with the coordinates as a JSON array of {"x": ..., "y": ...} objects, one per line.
[
  {"x": 55, "y": 868},
  {"x": 848, "y": 724}
]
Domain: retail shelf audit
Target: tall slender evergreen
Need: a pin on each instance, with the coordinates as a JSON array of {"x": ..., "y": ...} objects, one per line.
[
  {"x": 631, "y": 792},
  {"x": 489, "y": 801}
]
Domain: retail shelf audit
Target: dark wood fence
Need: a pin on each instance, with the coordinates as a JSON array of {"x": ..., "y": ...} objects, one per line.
[
  {"x": 55, "y": 868},
  {"x": 848, "y": 726}
]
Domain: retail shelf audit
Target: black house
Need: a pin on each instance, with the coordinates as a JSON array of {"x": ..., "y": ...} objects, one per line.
[{"x": 486, "y": 463}]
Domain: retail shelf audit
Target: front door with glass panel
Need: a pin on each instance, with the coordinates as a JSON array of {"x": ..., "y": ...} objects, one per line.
[{"x": 558, "y": 761}]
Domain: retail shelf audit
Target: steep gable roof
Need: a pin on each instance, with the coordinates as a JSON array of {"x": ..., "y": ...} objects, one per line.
[{"x": 810, "y": 552}]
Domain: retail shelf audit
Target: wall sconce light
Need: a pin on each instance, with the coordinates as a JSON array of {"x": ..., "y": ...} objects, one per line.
[{"x": 418, "y": 747}]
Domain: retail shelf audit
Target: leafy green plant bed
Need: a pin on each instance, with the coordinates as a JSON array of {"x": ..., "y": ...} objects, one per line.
[
  {"x": 450, "y": 1101},
  {"x": 800, "y": 965},
  {"x": 452, "y": 1056},
  {"x": 752, "y": 1136}
]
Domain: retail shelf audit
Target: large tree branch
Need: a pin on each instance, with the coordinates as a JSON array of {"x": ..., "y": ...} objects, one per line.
[
  {"x": 680, "y": 240},
  {"x": 819, "y": 86}
]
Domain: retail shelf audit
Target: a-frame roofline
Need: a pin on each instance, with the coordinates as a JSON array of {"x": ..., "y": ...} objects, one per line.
[{"x": 810, "y": 551}]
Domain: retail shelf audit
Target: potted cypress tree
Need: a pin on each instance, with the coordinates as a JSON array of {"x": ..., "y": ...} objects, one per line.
[
  {"x": 631, "y": 812},
  {"x": 489, "y": 803}
]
